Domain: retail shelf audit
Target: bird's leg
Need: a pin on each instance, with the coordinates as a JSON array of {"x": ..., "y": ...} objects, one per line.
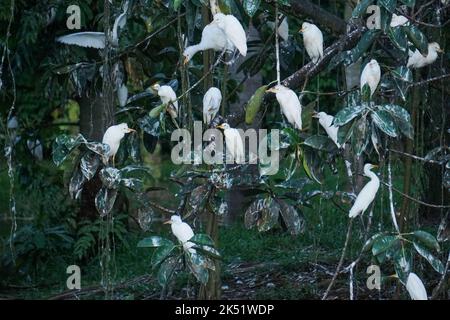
[{"x": 113, "y": 161}]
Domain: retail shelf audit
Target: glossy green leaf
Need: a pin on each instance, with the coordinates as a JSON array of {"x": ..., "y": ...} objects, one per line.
[
  {"x": 202, "y": 239},
  {"x": 76, "y": 183},
  {"x": 347, "y": 114},
  {"x": 427, "y": 239},
  {"x": 383, "y": 243},
  {"x": 110, "y": 177},
  {"x": 409, "y": 3},
  {"x": 98, "y": 147},
  {"x": 150, "y": 125},
  {"x": 254, "y": 104},
  {"x": 251, "y": 6},
  {"x": 323, "y": 143},
  {"x": 295, "y": 223},
  {"x": 417, "y": 38},
  {"x": 435, "y": 263},
  {"x": 389, "y": 5},
  {"x": 63, "y": 146},
  {"x": 399, "y": 38},
  {"x": 401, "y": 117},
  {"x": 161, "y": 253},
  {"x": 402, "y": 264},
  {"x": 384, "y": 122},
  {"x": 167, "y": 270},
  {"x": 197, "y": 265},
  {"x": 361, "y": 48},
  {"x": 155, "y": 112},
  {"x": 89, "y": 164},
  {"x": 177, "y": 4},
  {"x": 104, "y": 200},
  {"x": 360, "y": 136},
  {"x": 154, "y": 242},
  {"x": 361, "y": 8}
]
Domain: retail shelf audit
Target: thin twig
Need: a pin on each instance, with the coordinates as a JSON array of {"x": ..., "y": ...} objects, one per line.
[{"x": 415, "y": 157}]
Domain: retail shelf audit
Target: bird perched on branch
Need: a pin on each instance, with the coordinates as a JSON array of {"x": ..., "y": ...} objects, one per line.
[
  {"x": 182, "y": 231},
  {"x": 112, "y": 137},
  {"x": 290, "y": 105},
  {"x": 367, "y": 194},
  {"x": 97, "y": 40},
  {"x": 211, "y": 104},
  {"x": 234, "y": 142},
  {"x": 168, "y": 97},
  {"x": 233, "y": 30},
  {"x": 371, "y": 76},
  {"x": 313, "y": 41},
  {"x": 326, "y": 121},
  {"x": 417, "y": 60}
]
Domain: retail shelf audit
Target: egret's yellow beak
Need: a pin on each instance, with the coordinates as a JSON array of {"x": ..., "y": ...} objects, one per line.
[
  {"x": 374, "y": 166},
  {"x": 315, "y": 114},
  {"x": 301, "y": 30},
  {"x": 185, "y": 61},
  {"x": 220, "y": 126},
  {"x": 440, "y": 50},
  {"x": 167, "y": 222},
  {"x": 154, "y": 87},
  {"x": 273, "y": 90},
  {"x": 131, "y": 130}
]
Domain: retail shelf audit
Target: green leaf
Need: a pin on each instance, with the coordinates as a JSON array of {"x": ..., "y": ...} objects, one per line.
[
  {"x": 399, "y": 38},
  {"x": 161, "y": 254},
  {"x": 155, "y": 112},
  {"x": 347, "y": 114},
  {"x": 269, "y": 215},
  {"x": 176, "y": 4},
  {"x": 110, "y": 177},
  {"x": 369, "y": 243},
  {"x": 104, "y": 200},
  {"x": 207, "y": 250},
  {"x": 63, "y": 146},
  {"x": 403, "y": 73},
  {"x": 402, "y": 264},
  {"x": 254, "y": 104},
  {"x": 166, "y": 271},
  {"x": 427, "y": 239},
  {"x": 89, "y": 164},
  {"x": 154, "y": 242},
  {"x": 361, "y": 8},
  {"x": 360, "y": 136},
  {"x": 384, "y": 121},
  {"x": 225, "y": 6},
  {"x": 294, "y": 222},
  {"x": 323, "y": 143},
  {"x": 435, "y": 263},
  {"x": 417, "y": 38},
  {"x": 409, "y": 3},
  {"x": 383, "y": 243},
  {"x": 402, "y": 118},
  {"x": 251, "y": 6},
  {"x": 197, "y": 265},
  {"x": 202, "y": 239},
  {"x": 361, "y": 48},
  {"x": 76, "y": 183},
  {"x": 388, "y": 4},
  {"x": 150, "y": 125}
]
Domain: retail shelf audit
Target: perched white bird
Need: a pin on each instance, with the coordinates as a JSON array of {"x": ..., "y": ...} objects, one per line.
[
  {"x": 326, "y": 121},
  {"x": 290, "y": 105},
  {"x": 97, "y": 40},
  {"x": 213, "y": 38},
  {"x": 233, "y": 31},
  {"x": 417, "y": 60},
  {"x": 112, "y": 138},
  {"x": 182, "y": 231},
  {"x": 168, "y": 97},
  {"x": 415, "y": 287},
  {"x": 211, "y": 104},
  {"x": 367, "y": 194},
  {"x": 233, "y": 140},
  {"x": 398, "y": 21},
  {"x": 35, "y": 147},
  {"x": 371, "y": 75},
  {"x": 122, "y": 95},
  {"x": 313, "y": 41}
]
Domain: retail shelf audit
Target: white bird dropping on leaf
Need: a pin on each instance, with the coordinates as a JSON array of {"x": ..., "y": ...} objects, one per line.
[
  {"x": 398, "y": 21},
  {"x": 213, "y": 38},
  {"x": 168, "y": 97},
  {"x": 326, "y": 121},
  {"x": 233, "y": 31},
  {"x": 211, "y": 104},
  {"x": 313, "y": 41},
  {"x": 112, "y": 137},
  {"x": 415, "y": 287},
  {"x": 290, "y": 105},
  {"x": 182, "y": 231},
  {"x": 367, "y": 194},
  {"x": 371, "y": 75},
  {"x": 417, "y": 60},
  {"x": 233, "y": 142}
]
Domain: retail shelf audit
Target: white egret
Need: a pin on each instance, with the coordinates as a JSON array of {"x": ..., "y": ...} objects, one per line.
[
  {"x": 417, "y": 60},
  {"x": 313, "y": 41},
  {"x": 211, "y": 104},
  {"x": 371, "y": 75},
  {"x": 122, "y": 95},
  {"x": 368, "y": 192},
  {"x": 415, "y": 287},
  {"x": 168, "y": 97},
  {"x": 97, "y": 40},
  {"x": 233, "y": 140},
  {"x": 112, "y": 137},
  {"x": 213, "y": 38},
  {"x": 182, "y": 231},
  {"x": 398, "y": 21},
  {"x": 290, "y": 105},
  {"x": 233, "y": 31},
  {"x": 326, "y": 121}
]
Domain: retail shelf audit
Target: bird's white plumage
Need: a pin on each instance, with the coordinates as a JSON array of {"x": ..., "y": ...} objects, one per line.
[
  {"x": 122, "y": 95},
  {"x": 367, "y": 194},
  {"x": 84, "y": 39},
  {"x": 326, "y": 121},
  {"x": 313, "y": 41},
  {"x": 183, "y": 232},
  {"x": 233, "y": 31},
  {"x": 213, "y": 38},
  {"x": 417, "y": 60},
  {"x": 415, "y": 287},
  {"x": 398, "y": 21},
  {"x": 211, "y": 104},
  {"x": 371, "y": 75},
  {"x": 169, "y": 97},
  {"x": 234, "y": 143},
  {"x": 290, "y": 105},
  {"x": 112, "y": 137}
]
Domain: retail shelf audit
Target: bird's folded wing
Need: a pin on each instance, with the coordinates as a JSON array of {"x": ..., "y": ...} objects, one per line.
[{"x": 84, "y": 39}]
